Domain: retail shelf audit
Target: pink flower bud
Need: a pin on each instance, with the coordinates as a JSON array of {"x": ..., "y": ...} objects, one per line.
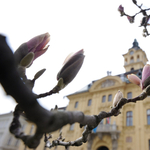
[
  {"x": 145, "y": 78},
  {"x": 131, "y": 19},
  {"x": 71, "y": 67},
  {"x": 121, "y": 10},
  {"x": 37, "y": 45},
  {"x": 134, "y": 79}
]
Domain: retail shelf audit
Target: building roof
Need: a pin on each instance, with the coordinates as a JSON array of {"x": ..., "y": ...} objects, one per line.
[
  {"x": 9, "y": 113},
  {"x": 122, "y": 76}
]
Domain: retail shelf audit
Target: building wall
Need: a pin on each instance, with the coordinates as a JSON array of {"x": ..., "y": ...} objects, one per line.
[{"x": 7, "y": 140}]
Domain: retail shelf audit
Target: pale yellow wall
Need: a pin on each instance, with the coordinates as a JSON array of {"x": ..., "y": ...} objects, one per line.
[{"x": 137, "y": 64}]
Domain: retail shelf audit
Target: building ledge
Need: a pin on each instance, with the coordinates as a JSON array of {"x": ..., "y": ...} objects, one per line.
[{"x": 106, "y": 128}]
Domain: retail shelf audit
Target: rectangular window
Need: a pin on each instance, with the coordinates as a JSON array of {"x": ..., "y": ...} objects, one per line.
[
  {"x": 31, "y": 129},
  {"x": 108, "y": 120},
  {"x": 72, "y": 127},
  {"x": 110, "y": 98},
  {"x": 89, "y": 102},
  {"x": 102, "y": 121},
  {"x": 129, "y": 139},
  {"x": 76, "y": 105},
  {"x": 9, "y": 140},
  {"x": 1, "y": 134},
  {"x": 129, "y": 118},
  {"x": 103, "y": 98},
  {"x": 23, "y": 127},
  {"x": 149, "y": 144},
  {"x": 148, "y": 116},
  {"x": 17, "y": 142},
  {"x": 129, "y": 95}
]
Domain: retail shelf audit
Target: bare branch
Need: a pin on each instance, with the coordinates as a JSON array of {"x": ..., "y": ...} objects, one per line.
[
  {"x": 144, "y": 23},
  {"x": 113, "y": 112}
]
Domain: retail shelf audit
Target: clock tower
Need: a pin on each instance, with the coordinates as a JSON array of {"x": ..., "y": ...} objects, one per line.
[{"x": 135, "y": 58}]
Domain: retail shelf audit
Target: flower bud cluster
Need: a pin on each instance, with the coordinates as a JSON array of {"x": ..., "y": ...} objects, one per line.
[{"x": 145, "y": 81}]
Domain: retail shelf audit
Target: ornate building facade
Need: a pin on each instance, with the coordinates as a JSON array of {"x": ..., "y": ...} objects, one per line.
[{"x": 128, "y": 131}]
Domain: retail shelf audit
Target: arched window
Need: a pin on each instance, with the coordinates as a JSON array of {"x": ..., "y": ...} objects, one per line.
[
  {"x": 103, "y": 98},
  {"x": 138, "y": 58},
  {"x": 129, "y": 118},
  {"x": 148, "y": 116},
  {"x": 89, "y": 102},
  {"x": 132, "y": 59},
  {"x": 126, "y": 61},
  {"x": 76, "y": 104},
  {"x": 129, "y": 95},
  {"x": 109, "y": 97}
]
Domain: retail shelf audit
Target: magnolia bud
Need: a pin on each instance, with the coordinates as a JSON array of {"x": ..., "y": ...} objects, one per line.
[
  {"x": 117, "y": 98},
  {"x": 36, "y": 45},
  {"x": 121, "y": 10},
  {"x": 71, "y": 67}
]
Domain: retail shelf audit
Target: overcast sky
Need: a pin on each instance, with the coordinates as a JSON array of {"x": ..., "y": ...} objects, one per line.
[{"x": 92, "y": 25}]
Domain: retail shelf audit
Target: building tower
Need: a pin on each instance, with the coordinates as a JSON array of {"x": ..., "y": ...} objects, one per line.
[{"x": 135, "y": 58}]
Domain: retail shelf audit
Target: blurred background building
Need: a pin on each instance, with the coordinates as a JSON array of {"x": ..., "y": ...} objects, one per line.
[
  {"x": 7, "y": 140},
  {"x": 128, "y": 131}
]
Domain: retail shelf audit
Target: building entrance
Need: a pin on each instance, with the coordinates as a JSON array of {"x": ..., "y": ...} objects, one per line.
[{"x": 103, "y": 148}]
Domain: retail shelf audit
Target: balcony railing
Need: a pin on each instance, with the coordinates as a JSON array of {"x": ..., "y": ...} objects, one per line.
[{"x": 105, "y": 128}]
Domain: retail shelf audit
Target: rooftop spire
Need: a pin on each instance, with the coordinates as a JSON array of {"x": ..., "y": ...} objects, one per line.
[{"x": 135, "y": 44}]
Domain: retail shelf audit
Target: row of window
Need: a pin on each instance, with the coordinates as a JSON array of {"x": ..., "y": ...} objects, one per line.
[
  {"x": 129, "y": 118},
  {"x": 109, "y": 98},
  {"x": 132, "y": 59},
  {"x": 88, "y": 104},
  {"x": 129, "y": 95}
]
